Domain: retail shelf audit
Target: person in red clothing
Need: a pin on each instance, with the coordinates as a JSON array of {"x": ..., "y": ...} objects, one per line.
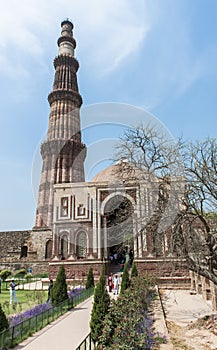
[{"x": 110, "y": 282}]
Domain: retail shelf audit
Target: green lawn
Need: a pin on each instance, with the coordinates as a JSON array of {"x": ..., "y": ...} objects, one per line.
[{"x": 26, "y": 299}]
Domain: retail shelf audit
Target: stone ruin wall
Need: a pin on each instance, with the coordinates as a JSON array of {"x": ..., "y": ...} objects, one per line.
[
  {"x": 76, "y": 270},
  {"x": 10, "y": 250},
  {"x": 11, "y": 243},
  {"x": 170, "y": 272}
]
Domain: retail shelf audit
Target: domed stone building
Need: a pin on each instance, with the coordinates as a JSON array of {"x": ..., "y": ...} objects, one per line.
[{"x": 80, "y": 224}]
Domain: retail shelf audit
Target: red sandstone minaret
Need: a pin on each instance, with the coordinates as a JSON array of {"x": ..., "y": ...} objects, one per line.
[{"x": 63, "y": 152}]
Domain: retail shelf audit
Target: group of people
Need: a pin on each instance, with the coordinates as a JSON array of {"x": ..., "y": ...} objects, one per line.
[
  {"x": 114, "y": 283},
  {"x": 121, "y": 258}
]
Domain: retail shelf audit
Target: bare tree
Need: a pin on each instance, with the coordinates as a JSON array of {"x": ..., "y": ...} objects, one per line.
[
  {"x": 198, "y": 220},
  {"x": 147, "y": 154},
  {"x": 185, "y": 178},
  {"x": 150, "y": 150}
]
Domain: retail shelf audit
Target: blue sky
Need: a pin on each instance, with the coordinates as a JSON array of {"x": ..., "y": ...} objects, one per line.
[{"x": 160, "y": 55}]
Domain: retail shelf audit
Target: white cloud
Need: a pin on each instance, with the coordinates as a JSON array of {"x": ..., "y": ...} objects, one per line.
[
  {"x": 112, "y": 31},
  {"x": 19, "y": 37},
  {"x": 108, "y": 31}
]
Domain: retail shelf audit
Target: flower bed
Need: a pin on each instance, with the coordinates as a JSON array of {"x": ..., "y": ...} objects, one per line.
[
  {"x": 72, "y": 294},
  {"x": 23, "y": 316},
  {"x": 26, "y": 323},
  {"x": 40, "y": 308}
]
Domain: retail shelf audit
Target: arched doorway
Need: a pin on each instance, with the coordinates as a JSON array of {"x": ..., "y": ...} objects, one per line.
[
  {"x": 81, "y": 245},
  {"x": 64, "y": 246},
  {"x": 118, "y": 228},
  {"x": 48, "y": 249}
]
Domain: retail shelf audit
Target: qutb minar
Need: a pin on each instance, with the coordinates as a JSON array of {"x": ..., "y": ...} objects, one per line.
[
  {"x": 80, "y": 224},
  {"x": 63, "y": 152}
]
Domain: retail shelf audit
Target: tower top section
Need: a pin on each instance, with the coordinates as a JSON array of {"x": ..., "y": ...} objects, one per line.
[{"x": 66, "y": 42}]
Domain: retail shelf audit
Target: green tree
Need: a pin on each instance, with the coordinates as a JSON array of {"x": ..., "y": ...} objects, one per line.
[
  {"x": 125, "y": 279},
  {"x": 20, "y": 273},
  {"x": 100, "y": 307},
  {"x": 134, "y": 272},
  {"x": 3, "y": 320},
  {"x": 90, "y": 279},
  {"x": 4, "y": 274},
  {"x": 59, "y": 289}
]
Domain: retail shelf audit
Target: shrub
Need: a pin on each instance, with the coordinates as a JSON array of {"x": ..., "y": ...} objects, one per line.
[
  {"x": 90, "y": 279},
  {"x": 3, "y": 320},
  {"x": 126, "y": 325},
  {"x": 125, "y": 279},
  {"x": 134, "y": 272},
  {"x": 28, "y": 276},
  {"x": 20, "y": 273},
  {"x": 41, "y": 275},
  {"x": 4, "y": 274},
  {"x": 100, "y": 307},
  {"x": 59, "y": 289}
]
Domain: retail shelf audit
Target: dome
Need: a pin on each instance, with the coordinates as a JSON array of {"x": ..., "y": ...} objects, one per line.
[
  {"x": 120, "y": 172},
  {"x": 106, "y": 174}
]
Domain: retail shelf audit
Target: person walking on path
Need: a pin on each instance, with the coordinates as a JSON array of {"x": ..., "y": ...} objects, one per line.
[
  {"x": 116, "y": 284},
  {"x": 13, "y": 296},
  {"x": 49, "y": 290}
]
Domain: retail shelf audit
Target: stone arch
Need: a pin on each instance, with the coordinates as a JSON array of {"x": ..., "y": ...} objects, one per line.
[
  {"x": 63, "y": 245},
  {"x": 118, "y": 224},
  {"x": 115, "y": 194},
  {"x": 81, "y": 244},
  {"x": 48, "y": 249}
]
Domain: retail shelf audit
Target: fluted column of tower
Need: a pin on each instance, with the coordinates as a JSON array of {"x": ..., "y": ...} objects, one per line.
[{"x": 63, "y": 152}]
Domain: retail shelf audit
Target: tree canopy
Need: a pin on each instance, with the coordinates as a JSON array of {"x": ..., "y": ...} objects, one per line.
[{"x": 185, "y": 178}]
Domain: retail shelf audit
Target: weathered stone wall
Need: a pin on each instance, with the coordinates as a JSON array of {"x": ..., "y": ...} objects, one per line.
[
  {"x": 205, "y": 287},
  {"x": 11, "y": 243},
  {"x": 38, "y": 241},
  {"x": 170, "y": 272},
  {"x": 38, "y": 267},
  {"x": 76, "y": 270}
]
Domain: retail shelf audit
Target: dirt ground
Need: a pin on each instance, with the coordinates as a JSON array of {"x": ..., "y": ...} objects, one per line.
[{"x": 190, "y": 321}]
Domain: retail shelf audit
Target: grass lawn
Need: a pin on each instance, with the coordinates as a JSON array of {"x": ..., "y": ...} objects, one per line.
[{"x": 25, "y": 300}]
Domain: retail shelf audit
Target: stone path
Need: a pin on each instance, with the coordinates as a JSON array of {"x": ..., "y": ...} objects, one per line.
[
  {"x": 182, "y": 310},
  {"x": 67, "y": 332}
]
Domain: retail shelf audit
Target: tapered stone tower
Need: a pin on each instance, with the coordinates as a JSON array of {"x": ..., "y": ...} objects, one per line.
[{"x": 63, "y": 153}]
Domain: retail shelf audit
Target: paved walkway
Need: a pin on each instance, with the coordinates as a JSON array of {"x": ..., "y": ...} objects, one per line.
[
  {"x": 67, "y": 332},
  {"x": 182, "y": 308}
]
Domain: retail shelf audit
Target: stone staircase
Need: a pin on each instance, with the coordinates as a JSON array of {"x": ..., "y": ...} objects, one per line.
[{"x": 115, "y": 269}]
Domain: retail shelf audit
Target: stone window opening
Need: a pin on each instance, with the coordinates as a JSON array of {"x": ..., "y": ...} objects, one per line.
[
  {"x": 24, "y": 252},
  {"x": 81, "y": 210}
]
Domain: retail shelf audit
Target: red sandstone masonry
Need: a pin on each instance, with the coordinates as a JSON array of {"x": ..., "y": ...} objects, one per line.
[{"x": 76, "y": 270}]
